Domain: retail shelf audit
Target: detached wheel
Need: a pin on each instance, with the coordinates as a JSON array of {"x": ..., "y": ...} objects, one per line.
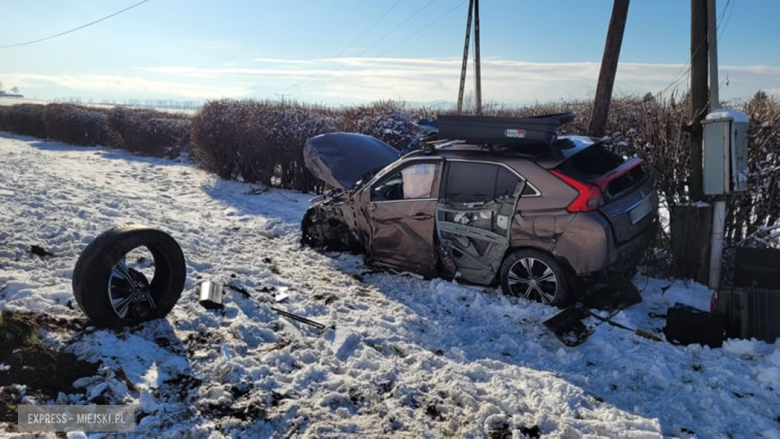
[
  {"x": 129, "y": 275},
  {"x": 535, "y": 275}
]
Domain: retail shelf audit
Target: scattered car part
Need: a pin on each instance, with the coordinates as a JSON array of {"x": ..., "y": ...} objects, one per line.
[
  {"x": 279, "y": 311},
  {"x": 211, "y": 295},
  {"x": 115, "y": 292},
  {"x": 639, "y": 332},
  {"x": 568, "y": 327},
  {"x": 298, "y": 318},
  {"x": 610, "y": 294}
]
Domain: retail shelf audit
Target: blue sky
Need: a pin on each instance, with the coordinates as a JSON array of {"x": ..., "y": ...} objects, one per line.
[{"x": 351, "y": 51}]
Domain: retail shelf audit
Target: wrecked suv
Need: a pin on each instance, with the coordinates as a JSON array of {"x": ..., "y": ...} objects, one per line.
[{"x": 485, "y": 200}]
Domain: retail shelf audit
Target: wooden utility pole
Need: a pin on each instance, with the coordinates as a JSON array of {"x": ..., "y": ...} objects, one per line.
[
  {"x": 609, "y": 64},
  {"x": 691, "y": 224},
  {"x": 465, "y": 58},
  {"x": 699, "y": 91},
  {"x": 477, "y": 64}
]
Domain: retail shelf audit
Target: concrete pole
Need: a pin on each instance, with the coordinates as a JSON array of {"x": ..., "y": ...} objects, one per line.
[{"x": 719, "y": 210}]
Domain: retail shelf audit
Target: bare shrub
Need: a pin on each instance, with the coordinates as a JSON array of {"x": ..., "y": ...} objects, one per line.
[
  {"x": 286, "y": 129},
  {"x": 26, "y": 119},
  {"x": 77, "y": 125},
  {"x": 389, "y": 121},
  {"x": 224, "y": 135},
  {"x": 259, "y": 141},
  {"x": 149, "y": 132},
  {"x": 753, "y": 216},
  {"x": 4, "y": 121}
]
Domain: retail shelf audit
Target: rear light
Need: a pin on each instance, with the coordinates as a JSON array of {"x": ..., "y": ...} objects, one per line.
[
  {"x": 714, "y": 303},
  {"x": 589, "y": 196}
]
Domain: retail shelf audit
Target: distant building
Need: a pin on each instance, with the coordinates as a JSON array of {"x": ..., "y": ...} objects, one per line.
[{"x": 3, "y": 94}]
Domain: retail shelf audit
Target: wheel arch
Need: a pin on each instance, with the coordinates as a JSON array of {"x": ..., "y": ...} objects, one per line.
[
  {"x": 548, "y": 250},
  {"x": 570, "y": 288}
]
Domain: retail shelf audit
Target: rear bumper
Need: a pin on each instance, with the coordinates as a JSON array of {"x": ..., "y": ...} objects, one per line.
[
  {"x": 589, "y": 247},
  {"x": 627, "y": 256}
]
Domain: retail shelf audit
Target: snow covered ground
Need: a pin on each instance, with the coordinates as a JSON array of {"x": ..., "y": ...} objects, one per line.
[{"x": 400, "y": 357}]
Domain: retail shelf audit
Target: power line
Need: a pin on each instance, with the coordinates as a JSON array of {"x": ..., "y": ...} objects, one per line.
[
  {"x": 311, "y": 84},
  {"x": 378, "y": 20},
  {"x": 681, "y": 75},
  {"x": 423, "y": 28},
  {"x": 76, "y": 28}
]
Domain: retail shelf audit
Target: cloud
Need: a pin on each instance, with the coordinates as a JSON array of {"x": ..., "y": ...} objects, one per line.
[
  {"x": 125, "y": 85},
  {"x": 348, "y": 80}
]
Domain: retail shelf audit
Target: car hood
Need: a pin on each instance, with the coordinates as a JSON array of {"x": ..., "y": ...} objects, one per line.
[{"x": 340, "y": 159}]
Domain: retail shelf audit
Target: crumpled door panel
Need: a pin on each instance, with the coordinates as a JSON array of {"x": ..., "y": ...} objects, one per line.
[{"x": 473, "y": 238}]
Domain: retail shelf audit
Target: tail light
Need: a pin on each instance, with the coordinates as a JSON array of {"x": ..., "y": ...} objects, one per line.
[
  {"x": 714, "y": 303},
  {"x": 588, "y": 198}
]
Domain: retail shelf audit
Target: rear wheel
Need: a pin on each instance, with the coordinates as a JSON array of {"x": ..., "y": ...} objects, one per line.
[{"x": 535, "y": 275}]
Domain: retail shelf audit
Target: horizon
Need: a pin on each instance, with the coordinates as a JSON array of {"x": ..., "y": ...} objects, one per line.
[{"x": 350, "y": 52}]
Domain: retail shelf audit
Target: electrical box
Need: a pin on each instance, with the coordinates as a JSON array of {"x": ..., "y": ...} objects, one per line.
[{"x": 725, "y": 152}]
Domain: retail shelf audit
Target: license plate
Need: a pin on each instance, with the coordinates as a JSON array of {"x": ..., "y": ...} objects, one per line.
[{"x": 640, "y": 210}]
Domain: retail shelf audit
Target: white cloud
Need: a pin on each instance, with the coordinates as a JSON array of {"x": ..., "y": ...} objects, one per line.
[
  {"x": 368, "y": 79},
  {"x": 124, "y": 85}
]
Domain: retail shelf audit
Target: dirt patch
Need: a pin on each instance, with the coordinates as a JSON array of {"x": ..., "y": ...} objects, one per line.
[{"x": 25, "y": 360}]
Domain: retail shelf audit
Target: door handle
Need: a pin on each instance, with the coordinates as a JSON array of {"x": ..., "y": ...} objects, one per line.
[
  {"x": 422, "y": 216},
  {"x": 371, "y": 207}
]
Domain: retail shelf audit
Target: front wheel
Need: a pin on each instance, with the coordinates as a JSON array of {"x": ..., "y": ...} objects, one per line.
[
  {"x": 535, "y": 275},
  {"x": 129, "y": 275}
]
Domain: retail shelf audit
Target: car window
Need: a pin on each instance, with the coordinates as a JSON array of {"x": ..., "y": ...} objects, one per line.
[
  {"x": 506, "y": 183},
  {"x": 412, "y": 182},
  {"x": 469, "y": 182}
]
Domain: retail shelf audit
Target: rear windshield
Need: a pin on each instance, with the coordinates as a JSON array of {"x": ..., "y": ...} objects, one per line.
[{"x": 596, "y": 162}]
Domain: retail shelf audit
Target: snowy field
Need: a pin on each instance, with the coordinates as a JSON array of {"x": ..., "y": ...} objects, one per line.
[{"x": 400, "y": 357}]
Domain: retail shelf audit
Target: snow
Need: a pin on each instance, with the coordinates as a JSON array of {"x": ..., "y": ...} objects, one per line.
[{"x": 399, "y": 355}]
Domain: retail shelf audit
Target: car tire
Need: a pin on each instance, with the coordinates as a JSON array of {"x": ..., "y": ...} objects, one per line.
[
  {"x": 114, "y": 295},
  {"x": 535, "y": 275}
]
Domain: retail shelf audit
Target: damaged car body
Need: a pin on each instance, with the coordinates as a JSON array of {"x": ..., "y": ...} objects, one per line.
[{"x": 485, "y": 200}]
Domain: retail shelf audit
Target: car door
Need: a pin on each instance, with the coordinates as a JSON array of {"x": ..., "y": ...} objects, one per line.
[
  {"x": 477, "y": 207},
  {"x": 400, "y": 215}
]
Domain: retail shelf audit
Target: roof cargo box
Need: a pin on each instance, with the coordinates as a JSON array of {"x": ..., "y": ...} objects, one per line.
[{"x": 508, "y": 131}]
